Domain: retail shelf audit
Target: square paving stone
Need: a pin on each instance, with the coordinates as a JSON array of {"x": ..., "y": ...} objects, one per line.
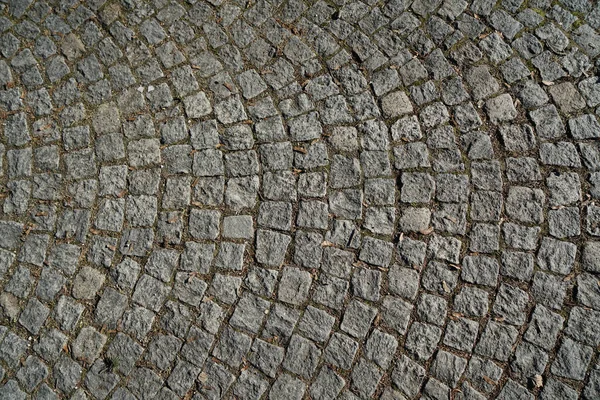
[
  {"x": 176, "y": 319},
  {"x": 422, "y": 340},
  {"x": 32, "y": 373},
  {"x": 204, "y": 224},
  {"x": 417, "y": 187},
  {"x": 528, "y": 361},
  {"x": 67, "y": 374},
  {"x": 544, "y": 327},
  {"x": 346, "y": 204},
  {"x": 189, "y": 288},
  {"x": 241, "y": 192},
  {"x": 520, "y": 236},
  {"x": 182, "y": 378},
  {"x": 432, "y": 309},
  {"x": 287, "y": 387},
  {"x": 486, "y": 175},
  {"x": 396, "y": 104},
  {"x": 227, "y": 111},
  {"x": 208, "y": 163},
  {"x": 271, "y": 247},
  {"x": 366, "y": 284},
  {"x": 548, "y": 123},
  {"x": 525, "y": 204},
  {"x": 376, "y": 252},
  {"x": 144, "y": 152},
  {"x": 249, "y": 313},
  {"x": 67, "y": 313},
  {"x": 197, "y": 346},
  {"x": 302, "y": 357},
  {"x": 484, "y": 238},
  {"x": 365, "y": 378},
  {"x": 445, "y": 248},
  {"x": 408, "y": 376},
  {"x": 225, "y": 288},
  {"x": 250, "y": 385},
  {"x": 518, "y": 265},
  {"x": 461, "y": 334},
  {"x": 406, "y": 128},
  {"x": 141, "y": 210},
  {"x": 560, "y": 154},
  {"x": 522, "y": 169},
  {"x": 150, "y": 292},
  {"x": 238, "y": 227},
  {"x": 341, "y": 351},
  {"x": 331, "y": 291},
  {"x": 162, "y": 351},
  {"x": 276, "y": 215},
  {"x": 138, "y": 321},
  {"x": 411, "y": 155},
  {"x": 34, "y": 316},
  {"x": 566, "y": 96},
  {"x": 501, "y": 109},
  {"x": 556, "y": 389},
  {"x": 111, "y": 215},
  {"x": 403, "y": 281},
  {"x": 230, "y": 256},
  {"x": 556, "y": 256},
  {"x": 486, "y": 206},
  {"x": 327, "y": 385},
  {"x": 518, "y": 138},
  {"x": 514, "y": 70},
  {"x": 21, "y": 282},
  {"x": 124, "y": 352},
  {"x": 87, "y": 283},
  {"x": 294, "y": 285},
  {"x": 49, "y": 284},
  {"x": 308, "y": 250},
  {"x": 126, "y": 273},
  {"x": 564, "y": 188},
  {"x": 281, "y": 321},
  {"x": 144, "y": 382},
  {"x": 439, "y": 277},
  {"x": 590, "y": 256},
  {"x": 497, "y": 341},
  {"x": 448, "y": 367},
  {"x": 590, "y": 153},
  {"x": 511, "y": 303},
  {"x": 177, "y": 193},
  {"x": 572, "y": 360},
  {"x": 316, "y": 324},
  {"x": 482, "y": 83},
  {"x": 583, "y": 325},
  {"x": 593, "y": 220},
  {"x": 358, "y": 318},
  {"x": 479, "y": 369},
  {"x": 564, "y": 223},
  {"x": 34, "y": 249},
  {"x": 266, "y": 357},
  {"x": 88, "y": 345},
  {"x": 241, "y": 163},
  {"x": 380, "y": 348},
  {"x": 396, "y": 313},
  {"x": 197, "y": 105},
  {"x": 109, "y": 309}
]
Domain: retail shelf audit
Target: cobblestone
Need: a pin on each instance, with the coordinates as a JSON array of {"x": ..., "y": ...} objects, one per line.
[{"x": 289, "y": 200}]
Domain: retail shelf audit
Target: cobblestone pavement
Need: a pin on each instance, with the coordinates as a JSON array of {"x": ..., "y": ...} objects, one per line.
[{"x": 288, "y": 199}]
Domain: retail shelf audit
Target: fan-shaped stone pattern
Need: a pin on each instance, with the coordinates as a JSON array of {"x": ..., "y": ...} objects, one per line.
[{"x": 289, "y": 199}]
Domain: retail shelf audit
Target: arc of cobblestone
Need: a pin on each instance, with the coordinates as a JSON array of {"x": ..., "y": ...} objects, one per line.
[{"x": 294, "y": 199}]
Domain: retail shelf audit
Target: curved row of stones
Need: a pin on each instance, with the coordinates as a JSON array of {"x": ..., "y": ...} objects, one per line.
[{"x": 285, "y": 199}]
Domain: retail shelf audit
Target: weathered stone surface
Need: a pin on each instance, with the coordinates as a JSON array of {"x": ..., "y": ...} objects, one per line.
[{"x": 268, "y": 200}]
